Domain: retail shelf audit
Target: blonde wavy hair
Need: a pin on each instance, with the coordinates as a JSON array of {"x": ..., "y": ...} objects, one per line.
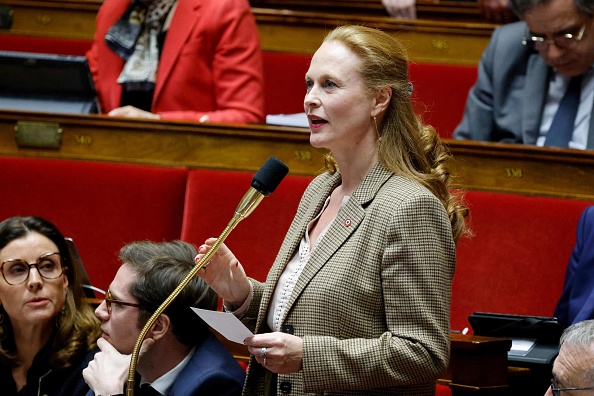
[{"x": 406, "y": 146}]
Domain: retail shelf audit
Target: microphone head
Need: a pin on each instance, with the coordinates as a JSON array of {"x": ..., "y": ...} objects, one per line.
[{"x": 269, "y": 176}]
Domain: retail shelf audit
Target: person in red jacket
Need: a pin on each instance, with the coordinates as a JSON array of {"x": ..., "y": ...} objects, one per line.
[{"x": 194, "y": 60}]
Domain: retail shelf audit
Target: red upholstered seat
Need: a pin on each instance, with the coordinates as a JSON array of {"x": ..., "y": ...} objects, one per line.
[
  {"x": 211, "y": 199},
  {"x": 516, "y": 262},
  {"x": 49, "y": 45},
  {"x": 284, "y": 81},
  {"x": 440, "y": 93},
  {"x": 101, "y": 206},
  {"x": 443, "y": 390}
]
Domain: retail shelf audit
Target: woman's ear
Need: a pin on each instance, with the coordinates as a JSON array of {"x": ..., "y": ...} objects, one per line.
[
  {"x": 160, "y": 327},
  {"x": 382, "y": 100}
]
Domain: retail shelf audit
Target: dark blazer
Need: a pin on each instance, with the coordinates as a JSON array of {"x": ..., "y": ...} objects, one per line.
[
  {"x": 212, "y": 370},
  {"x": 577, "y": 300},
  {"x": 210, "y": 64},
  {"x": 507, "y": 100},
  {"x": 372, "y": 304},
  {"x": 43, "y": 380}
]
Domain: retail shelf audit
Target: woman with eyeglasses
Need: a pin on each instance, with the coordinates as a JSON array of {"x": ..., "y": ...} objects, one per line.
[{"x": 47, "y": 332}]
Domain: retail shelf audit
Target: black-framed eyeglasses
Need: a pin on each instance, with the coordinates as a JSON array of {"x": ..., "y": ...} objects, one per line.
[
  {"x": 16, "y": 271},
  {"x": 562, "y": 41},
  {"x": 109, "y": 301},
  {"x": 557, "y": 391}
]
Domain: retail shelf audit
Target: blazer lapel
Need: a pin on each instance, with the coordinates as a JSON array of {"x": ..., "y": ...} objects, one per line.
[
  {"x": 536, "y": 86},
  {"x": 294, "y": 236},
  {"x": 186, "y": 15},
  {"x": 347, "y": 221}
]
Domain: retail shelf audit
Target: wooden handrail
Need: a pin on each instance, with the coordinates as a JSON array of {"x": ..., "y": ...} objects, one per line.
[{"x": 481, "y": 166}]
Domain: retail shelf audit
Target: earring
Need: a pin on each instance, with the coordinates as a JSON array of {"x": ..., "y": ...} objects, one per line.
[
  {"x": 376, "y": 129},
  {"x": 60, "y": 317}
]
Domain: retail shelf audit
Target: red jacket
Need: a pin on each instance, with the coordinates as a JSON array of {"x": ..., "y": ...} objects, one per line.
[{"x": 211, "y": 63}]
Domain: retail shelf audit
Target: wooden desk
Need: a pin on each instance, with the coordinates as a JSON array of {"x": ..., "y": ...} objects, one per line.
[
  {"x": 466, "y": 373},
  {"x": 429, "y": 41},
  {"x": 469, "y": 356},
  {"x": 451, "y": 41},
  {"x": 505, "y": 168},
  {"x": 466, "y": 11}
]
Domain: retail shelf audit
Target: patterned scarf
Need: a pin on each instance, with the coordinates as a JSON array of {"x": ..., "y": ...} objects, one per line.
[{"x": 134, "y": 39}]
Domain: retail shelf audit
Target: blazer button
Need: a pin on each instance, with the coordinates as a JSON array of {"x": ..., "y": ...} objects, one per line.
[
  {"x": 285, "y": 387},
  {"x": 288, "y": 329}
]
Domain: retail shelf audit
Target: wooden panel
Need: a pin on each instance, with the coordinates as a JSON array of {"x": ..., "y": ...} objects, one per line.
[
  {"x": 426, "y": 9},
  {"x": 297, "y": 31},
  {"x": 167, "y": 143},
  {"x": 56, "y": 18},
  {"x": 427, "y": 40},
  {"x": 509, "y": 168},
  {"x": 524, "y": 169}
]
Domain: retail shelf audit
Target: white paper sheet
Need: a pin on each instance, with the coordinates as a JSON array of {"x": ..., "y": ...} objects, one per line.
[
  {"x": 225, "y": 323},
  {"x": 521, "y": 346},
  {"x": 297, "y": 120}
]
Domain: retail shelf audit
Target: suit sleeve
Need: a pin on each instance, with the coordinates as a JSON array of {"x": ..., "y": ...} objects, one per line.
[
  {"x": 478, "y": 119},
  {"x": 563, "y": 306}
]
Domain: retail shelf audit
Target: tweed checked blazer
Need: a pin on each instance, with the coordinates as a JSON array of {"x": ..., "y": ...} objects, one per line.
[{"x": 372, "y": 304}]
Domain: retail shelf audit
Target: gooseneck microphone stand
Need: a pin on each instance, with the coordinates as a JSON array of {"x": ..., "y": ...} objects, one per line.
[{"x": 264, "y": 182}]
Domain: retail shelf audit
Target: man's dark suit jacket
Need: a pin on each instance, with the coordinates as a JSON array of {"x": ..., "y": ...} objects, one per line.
[
  {"x": 577, "y": 301},
  {"x": 212, "y": 370}
]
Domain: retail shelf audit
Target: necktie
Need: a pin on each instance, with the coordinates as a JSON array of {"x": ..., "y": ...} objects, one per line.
[
  {"x": 561, "y": 128},
  {"x": 147, "y": 390}
]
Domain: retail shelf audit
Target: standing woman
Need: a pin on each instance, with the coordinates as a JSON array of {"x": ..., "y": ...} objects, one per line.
[
  {"x": 358, "y": 299},
  {"x": 47, "y": 331}
]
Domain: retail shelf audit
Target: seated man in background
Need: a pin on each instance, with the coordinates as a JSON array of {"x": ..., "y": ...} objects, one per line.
[
  {"x": 194, "y": 60},
  {"x": 577, "y": 301},
  {"x": 535, "y": 82},
  {"x": 573, "y": 369},
  {"x": 180, "y": 356}
]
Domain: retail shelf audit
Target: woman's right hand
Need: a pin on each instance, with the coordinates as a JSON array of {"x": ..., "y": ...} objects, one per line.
[{"x": 224, "y": 274}]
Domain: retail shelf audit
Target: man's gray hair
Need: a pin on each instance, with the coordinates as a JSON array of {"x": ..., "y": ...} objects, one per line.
[
  {"x": 521, "y": 6},
  {"x": 580, "y": 335}
]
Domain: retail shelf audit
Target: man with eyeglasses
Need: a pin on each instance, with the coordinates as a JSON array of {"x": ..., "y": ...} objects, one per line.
[
  {"x": 180, "y": 356},
  {"x": 573, "y": 370},
  {"x": 535, "y": 80}
]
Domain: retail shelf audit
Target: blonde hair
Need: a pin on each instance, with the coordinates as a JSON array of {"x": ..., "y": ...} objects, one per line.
[{"x": 406, "y": 146}]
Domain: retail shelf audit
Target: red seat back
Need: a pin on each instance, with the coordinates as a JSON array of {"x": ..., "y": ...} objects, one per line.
[
  {"x": 101, "y": 206},
  {"x": 47, "y": 45},
  {"x": 439, "y": 93},
  {"x": 516, "y": 261},
  {"x": 211, "y": 199}
]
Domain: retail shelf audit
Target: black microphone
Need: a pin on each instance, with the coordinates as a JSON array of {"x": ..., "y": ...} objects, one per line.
[
  {"x": 269, "y": 176},
  {"x": 264, "y": 182}
]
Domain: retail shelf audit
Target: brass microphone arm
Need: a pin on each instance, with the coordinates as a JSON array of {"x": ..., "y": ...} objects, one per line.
[{"x": 246, "y": 206}]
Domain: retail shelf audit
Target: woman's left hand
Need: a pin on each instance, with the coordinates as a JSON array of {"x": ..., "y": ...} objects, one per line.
[{"x": 279, "y": 352}]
